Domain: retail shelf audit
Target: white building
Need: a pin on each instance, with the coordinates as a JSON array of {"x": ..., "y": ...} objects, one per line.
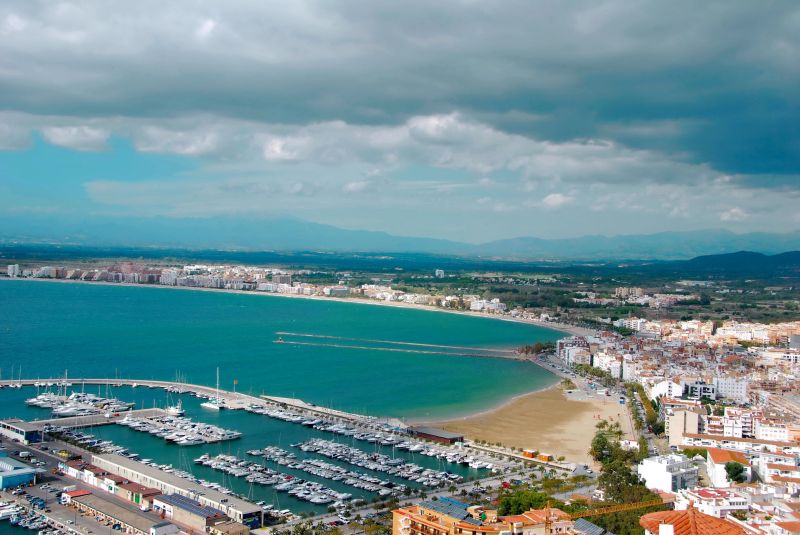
[
  {"x": 633, "y": 324},
  {"x": 731, "y": 388},
  {"x": 701, "y": 389},
  {"x": 770, "y": 430},
  {"x": 609, "y": 363},
  {"x": 671, "y": 388},
  {"x": 668, "y": 473},
  {"x": 13, "y": 270},
  {"x": 715, "y": 466},
  {"x": 715, "y": 502},
  {"x": 169, "y": 277}
]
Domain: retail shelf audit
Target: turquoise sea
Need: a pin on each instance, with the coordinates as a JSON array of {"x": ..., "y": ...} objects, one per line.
[
  {"x": 144, "y": 332},
  {"x": 157, "y": 333}
]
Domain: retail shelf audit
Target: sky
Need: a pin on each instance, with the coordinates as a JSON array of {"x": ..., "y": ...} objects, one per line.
[{"x": 466, "y": 120}]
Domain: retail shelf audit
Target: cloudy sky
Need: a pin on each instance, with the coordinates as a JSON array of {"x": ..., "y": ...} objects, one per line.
[{"x": 469, "y": 120}]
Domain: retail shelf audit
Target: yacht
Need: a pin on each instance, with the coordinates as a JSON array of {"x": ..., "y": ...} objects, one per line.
[
  {"x": 215, "y": 403},
  {"x": 176, "y": 410}
]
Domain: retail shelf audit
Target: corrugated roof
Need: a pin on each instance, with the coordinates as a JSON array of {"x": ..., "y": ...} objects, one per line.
[
  {"x": 454, "y": 502},
  {"x": 192, "y": 506},
  {"x": 446, "y": 508},
  {"x": 584, "y": 526}
]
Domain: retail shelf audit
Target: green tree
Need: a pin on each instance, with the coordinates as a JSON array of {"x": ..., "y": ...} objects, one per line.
[
  {"x": 601, "y": 447},
  {"x": 735, "y": 472},
  {"x": 514, "y": 503}
]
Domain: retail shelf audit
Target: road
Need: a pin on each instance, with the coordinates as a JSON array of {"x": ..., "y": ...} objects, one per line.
[{"x": 66, "y": 516}]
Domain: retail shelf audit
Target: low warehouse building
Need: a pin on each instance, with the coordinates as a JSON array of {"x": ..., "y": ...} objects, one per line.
[
  {"x": 187, "y": 511},
  {"x": 138, "y": 494},
  {"x": 14, "y": 473},
  {"x": 229, "y": 527},
  {"x": 436, "y": 435},
  {"x": 21, "y": 431},
  {"x": 235, "y": 508},
  {"x": 114, "y": 515}
]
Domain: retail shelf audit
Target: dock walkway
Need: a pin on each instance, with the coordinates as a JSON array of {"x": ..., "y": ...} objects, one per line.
[{"x": 93, "y": 420}]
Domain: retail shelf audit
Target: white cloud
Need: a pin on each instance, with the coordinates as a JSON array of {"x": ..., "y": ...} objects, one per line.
[
  {"x": 356, "y": 186},
  {"x": 282, "y": 149},
  {"x": 733, "y": 215},
  {"x": 205, "y": 28},
  {"x": 557, "y": 200},
  {"x": 186, "y": 143},
  {"x": 85, "y": 138},
  {"x": 13, "y": 23}
]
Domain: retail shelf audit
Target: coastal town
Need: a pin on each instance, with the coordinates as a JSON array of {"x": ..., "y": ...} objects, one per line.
[
  {"x": 399, "y": 268},
  {"x": 707, "y": 413}
]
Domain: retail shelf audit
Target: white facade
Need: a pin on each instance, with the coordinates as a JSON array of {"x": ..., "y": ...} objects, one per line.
[
  {"x": 609, "y": 363},
  {"x": 714, "y": 502},
  {"x": 669, "y": 388},
  {"x": 13, "y": 270},
  {"x": 765, "y": 430},
  {"x": 668, "y": 473},
  {"x": 731, "y": 388},
  {"x": 715, "y": 467}
]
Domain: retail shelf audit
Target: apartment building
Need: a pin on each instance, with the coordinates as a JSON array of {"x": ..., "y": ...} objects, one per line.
[{"x": 668, "y": 473}]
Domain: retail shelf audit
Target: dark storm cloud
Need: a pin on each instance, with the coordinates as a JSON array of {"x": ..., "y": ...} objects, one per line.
[{"x": 724, "y": 74}]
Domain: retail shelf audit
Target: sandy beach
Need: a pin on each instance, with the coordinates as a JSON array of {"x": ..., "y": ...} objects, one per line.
[{"x": 548, "y": 421}]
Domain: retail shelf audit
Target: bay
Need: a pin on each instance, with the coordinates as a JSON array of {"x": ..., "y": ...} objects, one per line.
[{"x": 158, "y": 333}]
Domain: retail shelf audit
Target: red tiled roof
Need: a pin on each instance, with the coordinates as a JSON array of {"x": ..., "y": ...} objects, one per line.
[
  {"x": 787, "y": 467},
  {"x": 719, "y": 456},
  {"x": 791, "y": 527},
  {"x": 140, "y": 489},
  {"x": 536, "y": 516},
  {"x": 689, "y": 522},
  {"x": 78, "y": 493},
  {"x": 786, "y": 479}
]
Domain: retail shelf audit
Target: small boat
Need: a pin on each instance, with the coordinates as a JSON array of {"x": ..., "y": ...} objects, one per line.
[{"x": 176, "y": 410}]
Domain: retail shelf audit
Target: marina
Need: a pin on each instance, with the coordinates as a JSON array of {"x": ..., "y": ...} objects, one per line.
[
  {"x": 277, "y": 395},
  {"x": 180, "y": 430},
  {"x": 272, "y": 431},
  {"x": 320, "y": 468},
  {"x": 380, "y": 463},
  {"x": 310, "y": 491},
  {"x": 77, "y": 403}
]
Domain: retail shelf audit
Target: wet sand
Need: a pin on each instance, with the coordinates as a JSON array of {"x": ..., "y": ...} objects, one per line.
[{"x": 547, "y": 421}]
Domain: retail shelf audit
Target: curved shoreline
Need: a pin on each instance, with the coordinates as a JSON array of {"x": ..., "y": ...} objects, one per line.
[
  {"x": 502, "y": 403},
  {"x": 487, "y": 411},
  {"x": 558, "y": 327}
]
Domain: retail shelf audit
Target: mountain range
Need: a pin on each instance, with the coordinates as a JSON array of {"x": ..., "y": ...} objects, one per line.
[{"x": 239, "y": 234}]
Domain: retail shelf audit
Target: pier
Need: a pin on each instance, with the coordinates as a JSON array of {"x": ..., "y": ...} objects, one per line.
[
  {"x": 77, "y": 422},
  {"x": 344, "y": 342},
  {"x": 230, "y": 400}
]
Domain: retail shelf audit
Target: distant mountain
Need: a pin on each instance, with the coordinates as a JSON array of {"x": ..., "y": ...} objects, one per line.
[
  {"x": 663, "y": 245},
  {"x": 743, "y": 262},
  {"x": 225, "y": 234},
  {"x": 240, "y": 234}
]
